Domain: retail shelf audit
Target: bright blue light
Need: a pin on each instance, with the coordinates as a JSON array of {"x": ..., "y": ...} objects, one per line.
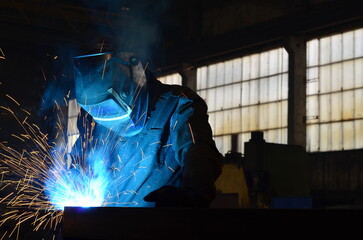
[
  {"x": 93, "y": 55},
  {"x": 81, "y": 186}
]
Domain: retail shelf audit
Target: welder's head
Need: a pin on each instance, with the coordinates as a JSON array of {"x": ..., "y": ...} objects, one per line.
[{"x": 112, "y": 88}]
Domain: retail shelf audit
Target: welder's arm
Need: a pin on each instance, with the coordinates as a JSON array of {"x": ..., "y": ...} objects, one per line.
[
  {"x": 201, "y": 160},
  {"x": 191, "y": 137}
]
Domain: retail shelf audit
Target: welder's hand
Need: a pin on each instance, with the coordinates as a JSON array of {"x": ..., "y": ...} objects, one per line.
[{"x": 168, "y": 196}]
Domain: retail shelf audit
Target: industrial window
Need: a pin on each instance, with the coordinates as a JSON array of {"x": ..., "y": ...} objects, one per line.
[
  {"x": 173, "y": 79},
  {"x": 335, "y": 92},
  {"x": 246, "y": 94}
]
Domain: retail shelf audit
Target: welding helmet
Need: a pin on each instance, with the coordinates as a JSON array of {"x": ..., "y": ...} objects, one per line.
[{"x": 112, "y": 88}]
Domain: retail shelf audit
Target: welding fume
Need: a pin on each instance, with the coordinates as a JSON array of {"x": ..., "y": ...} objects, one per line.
[{"x": 160, "y": 146}]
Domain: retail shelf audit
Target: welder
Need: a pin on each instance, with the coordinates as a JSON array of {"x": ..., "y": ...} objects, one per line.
[{"x": 163, "y": 153}]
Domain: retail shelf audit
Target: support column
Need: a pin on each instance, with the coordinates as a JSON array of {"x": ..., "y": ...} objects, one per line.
[
  {"x": 296, "y": 47},
  {"x": 188, "y": 73}
]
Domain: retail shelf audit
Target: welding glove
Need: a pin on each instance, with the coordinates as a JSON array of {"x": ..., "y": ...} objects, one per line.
[{"x": 168, "y": 196}]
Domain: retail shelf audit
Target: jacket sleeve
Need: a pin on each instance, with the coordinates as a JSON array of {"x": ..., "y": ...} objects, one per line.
[{"x": 195, "y": 149}]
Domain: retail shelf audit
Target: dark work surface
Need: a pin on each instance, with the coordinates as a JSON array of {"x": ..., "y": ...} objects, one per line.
[{"x": 198, "y": 223}]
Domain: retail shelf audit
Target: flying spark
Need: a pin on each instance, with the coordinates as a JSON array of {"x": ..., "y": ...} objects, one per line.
[
  {"x": 191, "y": 132},
  {"x": 2, "y": 56},
  {"x": 35, "y": 182}
]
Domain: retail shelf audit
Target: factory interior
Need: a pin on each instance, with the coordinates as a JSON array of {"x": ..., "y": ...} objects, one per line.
[{"x": 283, "y": 81}]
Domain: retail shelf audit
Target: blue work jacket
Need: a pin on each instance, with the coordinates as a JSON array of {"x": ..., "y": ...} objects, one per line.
[{"x": 175, "y": 148}]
